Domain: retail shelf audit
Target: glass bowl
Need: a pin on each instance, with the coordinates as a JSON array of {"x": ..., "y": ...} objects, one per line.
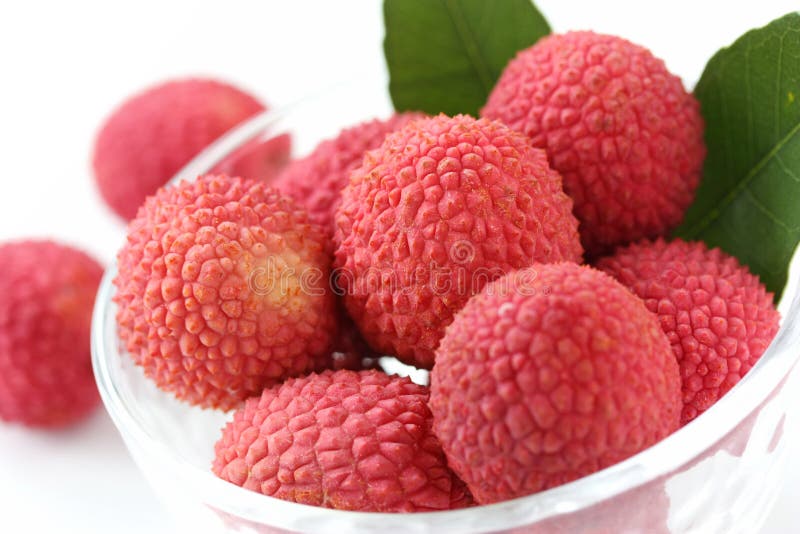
[{"x": 720, "y": 473}]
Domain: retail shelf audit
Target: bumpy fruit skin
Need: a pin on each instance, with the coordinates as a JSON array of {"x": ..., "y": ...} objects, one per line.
[
  {"x": 155, "y": 133},
  {"x": 621, "y": 130},
  {"x": 316, "y": 181},
  {"x": 548, "y": 375},
  {"x": 223, "y": 289},
  {"x": 260, "y": 159},
  {"x": 341, "y": 439},
  {"x": 718, "y": 316},
  {"x": 441, "y": 208},
  {"x": 48, "y": 291}
]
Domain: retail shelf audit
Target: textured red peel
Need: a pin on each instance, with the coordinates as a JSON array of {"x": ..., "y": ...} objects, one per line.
[
  {"x": 621, "y": 130},
  {"x": 48, "y": 293},
  {"x": 718, "y": 316},
  {"x": 316, "y": 181},
  {"x": 344, "y": 439},
  {"x": 223, "y": 289},
  {"x": 548, "y": 375},
  {"x": 441, "y": 208},
  {"x": 151, "y": 136}
]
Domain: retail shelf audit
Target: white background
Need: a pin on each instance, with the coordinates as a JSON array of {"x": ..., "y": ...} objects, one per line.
[{"x": 64, "y": 65}]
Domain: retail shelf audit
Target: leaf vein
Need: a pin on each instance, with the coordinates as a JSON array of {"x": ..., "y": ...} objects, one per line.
[
  {"x": 723, "y": 203},
  {"x": 785, "y": 168},
  {"x": 468, "y": 40},
  {"x": 766, "y": 211}
]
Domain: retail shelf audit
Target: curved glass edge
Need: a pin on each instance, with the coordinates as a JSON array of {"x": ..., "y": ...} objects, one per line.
[{"x": 665, "y": 457}]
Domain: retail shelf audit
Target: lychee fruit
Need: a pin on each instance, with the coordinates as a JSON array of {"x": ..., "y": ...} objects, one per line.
[
  {"x": 155, "y": 133},
  {"x": 316, "y": 181},
  {"x": 341, "y": 439},
  {"x": 48, "y": 291},
  {"x": 548, "y": 375},
  {"x": 261, "y": 159},
  {"x": 444, "y": 206},
  {"x": 718, "y": 316},
  {"x": 618, "y": 126},
  {"x": 223, "y": 289}
]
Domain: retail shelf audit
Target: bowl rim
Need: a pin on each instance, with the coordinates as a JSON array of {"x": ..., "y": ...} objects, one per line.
[{"x": 680, "y": 448}]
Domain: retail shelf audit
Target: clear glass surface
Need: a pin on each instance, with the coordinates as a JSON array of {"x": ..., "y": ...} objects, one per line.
[{"x": 721, "y": 473}]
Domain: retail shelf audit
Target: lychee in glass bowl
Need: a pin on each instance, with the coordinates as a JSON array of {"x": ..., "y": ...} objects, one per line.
[{"x": 720, "y": 473}]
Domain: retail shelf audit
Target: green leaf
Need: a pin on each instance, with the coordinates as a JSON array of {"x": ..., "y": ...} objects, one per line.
[
  {"x": 446, "y": 55},
  {"x": 748, "y": 202}
]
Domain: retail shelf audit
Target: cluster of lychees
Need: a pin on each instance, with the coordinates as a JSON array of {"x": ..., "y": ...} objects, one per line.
[
  {"x": 48, "y": 288},
  {"x": 457, "y": 245},
  {"x": 454, "y": 244}
]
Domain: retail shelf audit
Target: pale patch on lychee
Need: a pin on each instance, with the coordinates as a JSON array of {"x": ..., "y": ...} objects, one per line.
[{"x": 282, "y": 281}]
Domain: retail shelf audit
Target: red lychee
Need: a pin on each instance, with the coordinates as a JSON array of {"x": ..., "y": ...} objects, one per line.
[
  {"x": 151, "y": 136},
  {"x": 621, "y": 130},
  {"x": 444, "y": 206},
  {"x": 223, "y": 289},
  {"x": 48, "y": 292},
  {"x": 718, "y": 316},
  {"x": 316, "y": 181},
  {"x": 347, "y": 440},
  {"x": 550, "y": 374}
]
